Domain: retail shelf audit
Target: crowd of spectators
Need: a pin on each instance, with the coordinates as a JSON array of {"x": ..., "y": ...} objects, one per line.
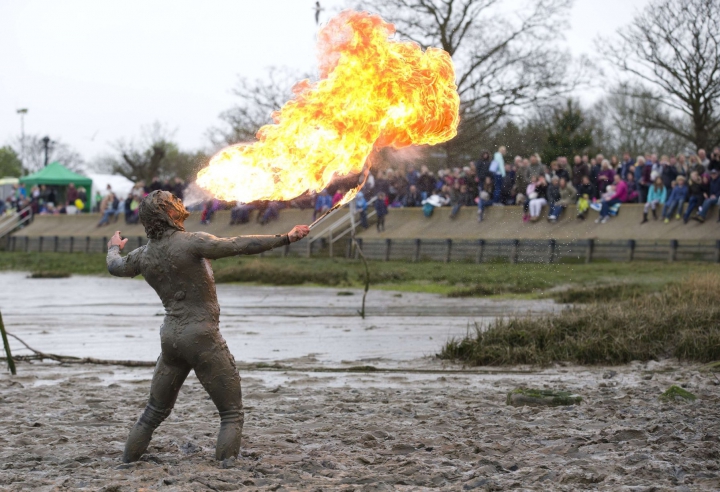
[
  {"x": 44, "y": 200},
  {"x": 671, "y": 187},
  {"x": 110, "y": 206}
]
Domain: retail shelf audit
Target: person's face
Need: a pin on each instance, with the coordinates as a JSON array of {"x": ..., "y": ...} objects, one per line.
[
  {"x": 577, "y": 160},
  {"x": 563, "y": 183},
  {"x": 701, "y": 154},
  {"x": 616, "y": 179},
  {"x": 533, "y": 160},
  {"x": 626, "y": 156},
  {"x": 654, "y": 157},
  {"x": 585, "y": 180}
]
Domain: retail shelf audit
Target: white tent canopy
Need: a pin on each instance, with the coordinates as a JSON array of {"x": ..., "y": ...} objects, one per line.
[{"x": 120, "y": 185}]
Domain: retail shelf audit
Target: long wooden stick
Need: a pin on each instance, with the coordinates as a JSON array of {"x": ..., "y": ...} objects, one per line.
[{"x": 6, "y": 344}]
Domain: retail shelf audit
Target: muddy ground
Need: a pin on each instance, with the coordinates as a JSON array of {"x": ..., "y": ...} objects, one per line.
[{"x": 419, "y": 427}]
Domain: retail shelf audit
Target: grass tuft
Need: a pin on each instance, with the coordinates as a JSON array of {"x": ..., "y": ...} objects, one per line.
[
  {"x": 676, "y": 393},
  {"x": 682, "y": 321}
]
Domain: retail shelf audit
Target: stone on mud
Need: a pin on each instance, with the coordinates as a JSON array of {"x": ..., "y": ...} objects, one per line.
[{"x": 541, "y": 398}]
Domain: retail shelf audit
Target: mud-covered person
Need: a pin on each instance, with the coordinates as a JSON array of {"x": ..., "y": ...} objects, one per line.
[{"x": 175, "y": 264}]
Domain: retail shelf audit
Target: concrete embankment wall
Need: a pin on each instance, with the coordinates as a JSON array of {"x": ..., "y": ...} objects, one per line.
[{"x": 502, "y": 236}]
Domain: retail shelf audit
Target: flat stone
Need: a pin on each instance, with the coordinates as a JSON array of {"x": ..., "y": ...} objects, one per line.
[{"x": 541, "y": 398}]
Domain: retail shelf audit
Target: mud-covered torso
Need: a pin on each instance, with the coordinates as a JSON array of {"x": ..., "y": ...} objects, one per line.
[{"x": 183, "y": 280}]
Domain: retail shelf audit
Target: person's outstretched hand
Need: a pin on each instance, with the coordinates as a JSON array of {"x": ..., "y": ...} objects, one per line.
[
  {"x": 116, "y": 240},
  {"x": 298, "y": 232}
]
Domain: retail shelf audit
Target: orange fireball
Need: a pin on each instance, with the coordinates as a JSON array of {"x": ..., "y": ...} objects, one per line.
[{"x": 373, "y": 92}]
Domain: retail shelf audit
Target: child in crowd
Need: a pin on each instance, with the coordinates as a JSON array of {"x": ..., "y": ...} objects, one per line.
[
  {"x": 381, "y": 210},
  {"x": 676, "y": 199},
  {"x": 537, "y": 198},
  {"x": 657, "y": 195},
  {"x": 698, "y": 190},
  {"x": 485, "y": 197}
]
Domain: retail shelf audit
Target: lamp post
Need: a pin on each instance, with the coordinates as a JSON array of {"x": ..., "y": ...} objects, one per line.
[
  {"x": 46, "y": 147},
  {"x": 22, "y": 112}
]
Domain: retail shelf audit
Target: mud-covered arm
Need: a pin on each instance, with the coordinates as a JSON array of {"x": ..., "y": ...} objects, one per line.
[
  {"x": 212, "y": 248},
  {"x": 124, "y": 266}
]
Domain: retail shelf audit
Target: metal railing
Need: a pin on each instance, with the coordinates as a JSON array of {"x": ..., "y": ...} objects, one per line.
[
  {"x": 331, "y": 233},
  {"x": 9, "y": 223}
]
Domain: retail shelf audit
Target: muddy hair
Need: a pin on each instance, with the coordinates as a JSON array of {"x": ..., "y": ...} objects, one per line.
[{"x": 154, "y": 213}]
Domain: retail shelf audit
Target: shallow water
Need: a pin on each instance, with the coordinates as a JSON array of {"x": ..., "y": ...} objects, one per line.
[{"x": 113, "y": 318}]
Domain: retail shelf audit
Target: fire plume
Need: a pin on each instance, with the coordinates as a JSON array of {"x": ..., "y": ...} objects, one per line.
[{"x": 373, "y": 92}]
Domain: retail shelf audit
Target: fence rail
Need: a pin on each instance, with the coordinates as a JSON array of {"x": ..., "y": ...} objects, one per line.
[{"x": 444, "y": 250}]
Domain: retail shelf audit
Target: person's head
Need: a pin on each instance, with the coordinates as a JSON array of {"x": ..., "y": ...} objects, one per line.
[
  {"x": 577, "y": 160},
  {"x": 526, "y": 162},
  {"x": 413, "y": 189},
  {"x": 586, "y": 180},
  {"x": 555, "y": 181},
  {"x": 630, "y": 177},
  {"x": 502, "y": 150},
  {"x": 617, "y": 178},
  {"x": 542, "y": 180},
  {"x": 71, "y": 185},
  {"x": 488, "y": 180},
  {"x": 585, "y": 158},
  {"x": 423, "y": 169},
  {"x": 672, "y": 161},
  {"x": 626, "y": 156},
  {"x": 714, "y": 174},
  {"x": 653, "y": 157},
  {"x": 716, "y": 153},
  {"x": 563, "y": 183},
  {"x": 680, "y": 180},
  {"x": 599, "y": 158},
  {"x": 681, "y": 159},
  {"x": 178, "y": 180},
  {"x": 517, "y": 160},
  {"x": 614, "y": 160},
  {"x": 640, "y": 160},
  {"x": 108, "y": 187},
  {"x": 155, "y": 179},
  {"x": 485, "y": 156},
  {"x": 705, "y": 178},
  {"x": 701, "y": 154},
  {"x": 533, "y": 159},
  {"x": 463, "y": 188},
  {"x": 694, "y": 176},
  {"x": 658, "y": 183},
  {"x": 554, "y": 165},
  {"x": 605, "y": 165},
  {"x": 161, "y": 211}
]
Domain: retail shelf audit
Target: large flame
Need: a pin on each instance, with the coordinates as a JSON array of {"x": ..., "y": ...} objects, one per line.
[{"x": 373, "y": 92}]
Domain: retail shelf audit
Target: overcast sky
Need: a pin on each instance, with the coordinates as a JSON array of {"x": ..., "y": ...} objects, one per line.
[{"x": 93, "y": 71}]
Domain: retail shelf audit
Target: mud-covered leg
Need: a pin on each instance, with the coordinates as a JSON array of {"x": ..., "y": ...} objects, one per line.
[
  {"x": 218, "y": 374},
  {"x": 166, "y": 384}
]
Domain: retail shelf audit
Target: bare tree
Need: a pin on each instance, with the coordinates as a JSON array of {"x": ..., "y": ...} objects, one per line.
[
  {"x": 621, "y": 127},
  {"x": 672, "y": 48},
  {"x": 504, "y": 63},
  {"x": 154, "y": 155},
  {"x": 58, "y": 151},
  {"x": 258, "y": 99}
]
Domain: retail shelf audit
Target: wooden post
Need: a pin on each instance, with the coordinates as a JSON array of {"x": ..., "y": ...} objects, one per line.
[
  {"x": 672, "y": 253},
  {"x": 55, "y": 246},
  {"x": 717, "y": 251},
  {"x": 515, "y": 251},
  {"x": 87, "y": 244},
  {"x": 6, "y": 344},
  {"x": 448, "y": 250},
  {"x": 14, "y": 242},
  {"x": 590, "y": 249},
  {"x": 41, "y": 240},
  {"x": 480, "y": 251},
  {"x": 552, "y": 244},
  {"x": 631, "y": 249},
  {"x": 104, "y": 242},
  {"x": 72, "y": 243},
  {"x": 388, "y": 243},
  {"x": 9, "y": 241},
  {"x": 330, "y": 245},
  {"x": 416, "y": 256}
]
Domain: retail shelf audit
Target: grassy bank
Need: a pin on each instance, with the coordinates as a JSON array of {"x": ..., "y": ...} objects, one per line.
[
  {"x": 568, "y": 283},
  {"x": 682, "y": 320}
]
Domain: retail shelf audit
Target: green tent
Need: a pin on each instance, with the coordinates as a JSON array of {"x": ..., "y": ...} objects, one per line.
[{"x": 55, "y": 174}]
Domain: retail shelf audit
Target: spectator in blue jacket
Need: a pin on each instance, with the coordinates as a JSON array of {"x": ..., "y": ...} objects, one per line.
[
  {"x": 361, "y": 206},
  {"x": 675, "y": 201},
  {"x": 323, "y": 203},
  {"x": 713, "y": 196}
]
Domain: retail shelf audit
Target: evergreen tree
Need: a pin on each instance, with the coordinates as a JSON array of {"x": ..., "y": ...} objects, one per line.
[
  {"x": 568, "y": 134},
  {"x": 10, "y": 165}
]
